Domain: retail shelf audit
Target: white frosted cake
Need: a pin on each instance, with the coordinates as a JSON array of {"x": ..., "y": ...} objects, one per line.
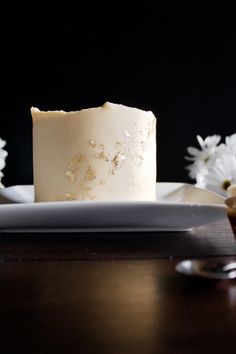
[{"x": 102, "y": 153}]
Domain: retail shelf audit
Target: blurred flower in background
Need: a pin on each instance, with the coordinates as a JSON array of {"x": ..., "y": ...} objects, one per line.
[
  {"x": 213, "y": 166},
  {"x": 3, "y": 155}
]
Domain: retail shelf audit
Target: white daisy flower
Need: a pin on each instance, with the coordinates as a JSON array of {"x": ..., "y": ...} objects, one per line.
[
  {"x": 201, "y": 158},
  {"x": 3, "y": 155},
  {"x": 198, "y": 170},
  {"x": 2, "y": 143},
  {"x": 221, "y": 175},
  {"x": 213, "y": 165},
  {"x": 208, "y": 148},
  {"x": 229, "y": 146},
  {"x": 230, "y": 141}
]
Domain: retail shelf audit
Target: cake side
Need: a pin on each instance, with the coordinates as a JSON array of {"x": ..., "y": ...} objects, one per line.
[{"x": 102, "y": 153}]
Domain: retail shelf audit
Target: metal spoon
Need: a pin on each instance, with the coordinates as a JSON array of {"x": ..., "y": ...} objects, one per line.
[{"x": 210, "y": 269}]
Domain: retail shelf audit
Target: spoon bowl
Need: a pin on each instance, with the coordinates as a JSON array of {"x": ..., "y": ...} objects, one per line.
[{"x": 210, "y": 269}]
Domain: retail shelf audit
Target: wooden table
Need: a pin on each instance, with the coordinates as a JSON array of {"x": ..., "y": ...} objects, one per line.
[{"x": 115, "y": 293}]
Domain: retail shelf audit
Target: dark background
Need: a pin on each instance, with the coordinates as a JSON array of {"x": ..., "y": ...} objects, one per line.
[{"x": 177, "y": 60}]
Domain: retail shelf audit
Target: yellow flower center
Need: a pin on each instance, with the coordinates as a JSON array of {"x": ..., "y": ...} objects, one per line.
[{"x": 226, "y": 184}]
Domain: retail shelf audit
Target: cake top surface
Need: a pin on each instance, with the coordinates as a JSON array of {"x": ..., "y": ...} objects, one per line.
[{"x": 105, "y": 106}]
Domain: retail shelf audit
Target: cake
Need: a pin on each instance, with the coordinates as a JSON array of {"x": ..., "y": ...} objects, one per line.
[{"x": 102, "y": 153}]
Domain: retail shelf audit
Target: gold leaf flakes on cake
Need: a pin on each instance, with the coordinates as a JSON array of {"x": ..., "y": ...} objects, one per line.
[
  {"x": 117, "y": 161},
  {"x": 102, "y": 155},
  {"x": 90, "y": 173},
  {"x": 92, "y": 144},
  {"x": 70, "y": 196},
  {"x": 73, "y": 166},
  {"x": 84, "y": 191},
  {"x": 70, "y": 175}
]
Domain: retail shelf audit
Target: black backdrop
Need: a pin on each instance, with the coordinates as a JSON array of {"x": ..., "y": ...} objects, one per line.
[{"x": 176, "y": 60}]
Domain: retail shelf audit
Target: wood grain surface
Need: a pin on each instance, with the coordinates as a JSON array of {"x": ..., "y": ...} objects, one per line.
[{"x": 114, "y": 293}]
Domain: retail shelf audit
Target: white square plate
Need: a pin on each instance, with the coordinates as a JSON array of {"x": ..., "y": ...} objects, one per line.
[{"x": 179, "y": 206}]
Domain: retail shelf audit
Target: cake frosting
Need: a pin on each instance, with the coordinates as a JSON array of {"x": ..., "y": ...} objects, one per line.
[{"x": 102, "y": 153}]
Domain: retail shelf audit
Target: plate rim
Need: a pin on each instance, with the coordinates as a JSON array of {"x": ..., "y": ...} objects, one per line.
[
  {"x": 93, "y": 216},
  {"x": 119, "y": 202}
]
